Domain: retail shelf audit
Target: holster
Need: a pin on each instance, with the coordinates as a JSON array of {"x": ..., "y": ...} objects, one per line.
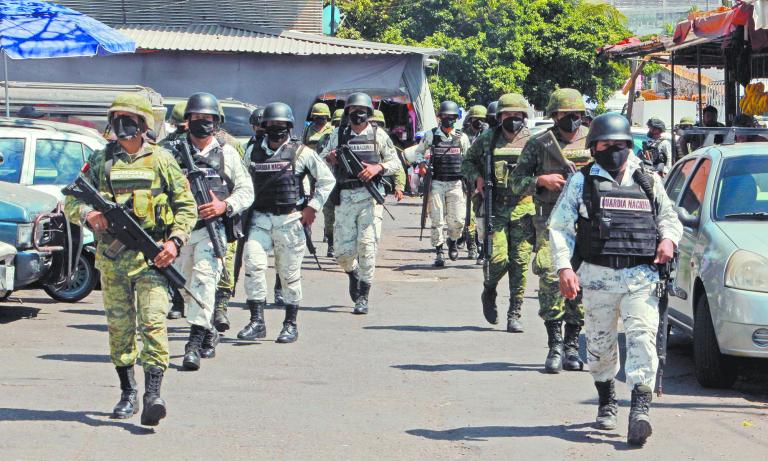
[{"x": 233, "y": 228}]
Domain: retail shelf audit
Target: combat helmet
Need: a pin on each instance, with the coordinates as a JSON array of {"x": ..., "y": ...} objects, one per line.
[
  {"x": 378, "y": 116},
  {"x": 477, "y": 111},
  {"x": 177, "y": 115},
  {"x": 133, "y": 104},
  {"x": 566, "y": 100},
  {"x": 203, "y": 103},
  {"x": 277, "y": 112},
  {"x": 337, "y": 114},
  {"x": 512, "y": 102},
  {"x": 611, "y": 126},
  {"x": 448, "y": 108},
  {"x": 360, "y": 99},
  {"x": 320, "y": 109},
  {"x": 255, "y": 118}
]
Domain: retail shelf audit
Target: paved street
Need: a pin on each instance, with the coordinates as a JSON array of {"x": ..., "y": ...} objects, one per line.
[{"x": 422, "y": 377}]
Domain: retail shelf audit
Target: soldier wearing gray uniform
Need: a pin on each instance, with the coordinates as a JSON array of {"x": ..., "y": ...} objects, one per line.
[
  {"x": 231, "y": 194},
  {"x": 358, "y": 216},
  {"x": 278, "y": 164},
  {"x": 615, "y": 217},
  {"x": 445, "y": 149}
]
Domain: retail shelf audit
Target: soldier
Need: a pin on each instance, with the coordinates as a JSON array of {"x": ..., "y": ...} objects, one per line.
[
  {"x": 329, "y": 208},
  {"x": 512, "y": 213},
  {"x": 132, "y": 168},
  {"x": 177, "y": 120},
  {"x": 231, "y": 194},
  {"x": 657, "y": 150},
  {"x": 378, "y": 119},
  {"x": 618, "y": 275},
  {"x": 490, "y": 116},
  {"x": 320, "y": 115},
  {"x": 277, "y": 164},
  {"x": 474, "y": 124},
  {"x": 358, "y": 217},
  {"x": 547, "y": 159},
  {"x": 445, "y": 148}
]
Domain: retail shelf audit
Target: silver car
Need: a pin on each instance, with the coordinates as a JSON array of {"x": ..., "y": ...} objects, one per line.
[{"x": 720, "y": 290}]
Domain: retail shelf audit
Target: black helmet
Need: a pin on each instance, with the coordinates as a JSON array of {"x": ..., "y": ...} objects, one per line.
[
  {"x": 611, "y": 126},
  {"x": 277, "y": 112},
  {"x": 492, "y": 109},
  {"x": 255, "y": 118},
  {"x": 448, "y": 108},
  {"x": 202, "y": 103},
  {"x": 657, "y": 123},
  {"x": 359, "y": 99}
]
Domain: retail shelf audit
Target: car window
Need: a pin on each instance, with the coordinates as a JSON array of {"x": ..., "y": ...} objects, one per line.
[
  {"x": 57, "y": 161},
  {"x": 237, "y": 121},
  {"x": 693, "y": 196},
  {"x": 742, "y": 188},
  {"x": 678, "y": 179},
  {"x": 12, "y": 151}
]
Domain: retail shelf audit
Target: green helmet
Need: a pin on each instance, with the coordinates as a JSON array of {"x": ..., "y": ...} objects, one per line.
[
  {"x": 687, "y": 121},
  {"x": 477, "y": 111},
  {"x": 337, "y": 114},
  {"x": 378, "y": 116},
  {"x": 321, "y": 110},
  {"x": 134, "y": 104},
  {"x": 566, "y": 100},
  {"x": 512, "y": 102},
  {"x": 177, "y": 116}
]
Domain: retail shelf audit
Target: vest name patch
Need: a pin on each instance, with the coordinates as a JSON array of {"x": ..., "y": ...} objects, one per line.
[
  {"x": 268, "y": 167},
  {"x": 447, "y": 151},
  {"x": 131, "y": 175},
  {"x": 627, "y": 204},
  {"x": 361, "y": 147}
]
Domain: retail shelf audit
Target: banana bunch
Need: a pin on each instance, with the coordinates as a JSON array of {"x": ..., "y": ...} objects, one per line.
[{"x": 755, "y": 101}]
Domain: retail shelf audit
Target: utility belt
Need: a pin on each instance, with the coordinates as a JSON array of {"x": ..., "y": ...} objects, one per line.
[
  {"x": 448, "y": 178},
  {"x": 620, "y": 262},
  {"x": 277, "y": 210},
  {"x": 355, "y": 184}
]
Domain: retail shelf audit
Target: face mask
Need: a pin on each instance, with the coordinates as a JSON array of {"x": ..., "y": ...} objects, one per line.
[
  {"x": 612, "y": 158},
  {"x": 478, "y": 125},
  {"x": 492, "y": 122},
  {"x": 125, "y": 127},
  {"x": 447, "y": 122},
  {"x": 201, "y": 128},
  {"x": 513, "y": 124},
  {"x": 359, "y": 117},
  {"x": 319, "y": 120},
  {"x": 570, "y": 123},
  {"x": 276, "y": 133}
]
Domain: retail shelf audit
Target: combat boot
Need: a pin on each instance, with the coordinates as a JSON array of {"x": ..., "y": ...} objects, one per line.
[
  {"x": 606, "y": 412},
  {"x": 480, "y": 256},
  {"x": 192, "y": 349},
  {"x": 256, "y": 328},
  {"x": 361, "y": 305},
  {"x": 514, "y": 325},
  {"x": 439, "y": 260},
  {"x": 331, "y": 252},
  {"x": 461, "y": 242},
  {"x": 290, "y": 332},
  {"x": 128, "y": 404},
  {"x": 453, "y": 252},
  {"x": 639, "y": 419},
  {"x": 154, "y": 405},
  {"x": 488, "y": 298},
  {"x": 210, "y": 341},
  {"x": 572, "y": 360},
  {"x": 279, "y": 300},
  {"x": 354, "y": 284},
  {"x": 471, "y": 248},
  {"x": 554, "y": 362},
  {"x": 220, "y": 319},
  {"x": 177, "y": 306}
]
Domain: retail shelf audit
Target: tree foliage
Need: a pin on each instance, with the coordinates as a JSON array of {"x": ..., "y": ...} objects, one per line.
[{"x": 499, "y": 46}]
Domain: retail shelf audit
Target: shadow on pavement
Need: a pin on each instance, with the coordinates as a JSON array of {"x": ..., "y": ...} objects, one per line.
[
  {"x": 430, "y": 267},
  {"x": 13, "y": 313},
  {"x": 487, "y": 366},
  {"x": 89, "y": 418},
  {"x": 90, "y": 327},
  {"x": 424, "y": 328},
  {"x": 83, "y": 311},
  {"x": 89, "y": 358}
]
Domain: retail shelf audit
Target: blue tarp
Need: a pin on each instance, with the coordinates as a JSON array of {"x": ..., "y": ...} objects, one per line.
[{"x": 36, "y": 29}]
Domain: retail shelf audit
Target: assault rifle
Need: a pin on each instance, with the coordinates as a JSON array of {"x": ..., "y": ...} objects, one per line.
[
  {"x": 202, "y": 193},
  {"x": 488, "y": 169},
  {"x": 353, "y": 167},
  {"x": 425, "y": 198},
  {"x": 127, "y": 232},
  {"x": 311, "y": 246},
  {"x": 663, "y": 289}
]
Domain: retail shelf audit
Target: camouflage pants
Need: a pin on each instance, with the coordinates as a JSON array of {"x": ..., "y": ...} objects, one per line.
[
  {"x": 202, "y": 270},
  {"x": 552, "y": 305},
  {"x": 511, "y": 253},
  {"x": 141, "y": 298},
  {"x": 356, "y": 234},
  {"x": 610, "y": 294},
  {"x": 329, "y": 217},
  {"x": 285, "y": 236},
  {"x": 229, "y": 263},
  {"x": 446, "y": 210}
]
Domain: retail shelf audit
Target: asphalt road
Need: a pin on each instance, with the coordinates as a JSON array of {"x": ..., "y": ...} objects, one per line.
[{"x": 422, "y": 377}]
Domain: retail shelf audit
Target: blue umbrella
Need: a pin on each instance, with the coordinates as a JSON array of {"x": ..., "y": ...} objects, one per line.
[{"x": 31, "y": 29}]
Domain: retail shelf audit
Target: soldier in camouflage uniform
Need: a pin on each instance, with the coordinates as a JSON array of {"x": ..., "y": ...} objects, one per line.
[
  {"x": 135, "y": 294},
  {"x": 490, "y": 116},
  {"x": 474, "y": 123},
  {"x": 544, "y": 165},
  {"x": 512, "y": 223},
  {"x": 177, "y": 120},
  {"x": 320, "y": 115}
]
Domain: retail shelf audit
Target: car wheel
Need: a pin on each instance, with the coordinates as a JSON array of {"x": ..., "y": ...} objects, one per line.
[
  {"x": 81, "y": 285},
  {"x": 712, "y": 368}
]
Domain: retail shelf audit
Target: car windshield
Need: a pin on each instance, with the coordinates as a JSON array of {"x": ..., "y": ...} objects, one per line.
[
  {"x": 742, "y": 189},
  {"x": 11, "y": 159},
  {"x": 237, "y": 121},
  {"x": 57, "y": 162}
]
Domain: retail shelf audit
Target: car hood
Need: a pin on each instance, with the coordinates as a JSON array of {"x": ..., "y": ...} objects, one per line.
[
  {"x": 747, "y": 235},
  {"x": 21, "y": 204}
]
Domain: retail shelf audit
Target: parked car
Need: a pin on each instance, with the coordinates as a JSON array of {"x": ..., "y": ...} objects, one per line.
[
  {"x": 719, "y": 294},
  {"x": 237, "y": 116},
  {"x": 47, "y": 156}
]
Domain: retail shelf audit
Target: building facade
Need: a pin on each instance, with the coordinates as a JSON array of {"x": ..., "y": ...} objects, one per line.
[{"x": 648, "y": 17}]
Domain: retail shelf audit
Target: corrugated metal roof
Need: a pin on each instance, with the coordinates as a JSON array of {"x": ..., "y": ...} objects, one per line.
[{"x": 247, "y": 39}]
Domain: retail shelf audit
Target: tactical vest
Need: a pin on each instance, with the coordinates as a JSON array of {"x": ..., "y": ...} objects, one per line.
[
  {"x": 446, "y": 156},
  {"x": 576, "y": 152},
  {"x": 364, "y": 147},
  {"x": 505, "y": 158},
  {"x": 314, "y": 137},
  {"x": 276, "y": 185},
  {"x": 621, "y": 230}
]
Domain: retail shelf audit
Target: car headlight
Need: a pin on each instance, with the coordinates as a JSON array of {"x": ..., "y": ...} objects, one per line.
[
  {"x": 747, "y": 271},
  {"x": 24, "y": 235}
]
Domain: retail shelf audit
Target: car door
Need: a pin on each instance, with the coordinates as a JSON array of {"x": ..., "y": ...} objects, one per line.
[{"x": 15, "y": 152}]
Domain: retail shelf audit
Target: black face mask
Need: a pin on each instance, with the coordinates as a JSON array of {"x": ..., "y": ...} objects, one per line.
[
  {"x": 570, "y": 123},
  {"x": 612, "y": 158},
  {"x": 513, "y": 124},
  {"x": 493, "y": 122},
  {"x": 276, "y": 133},
  {"x": 319, "y": 120},
  {"x": 478, "y": 125},
  {"x": 201, "y": 128},
  {"x": 359, "y": 117},
  {"x": 125, "y": 127},
  {"x": 447, "y": 122}
]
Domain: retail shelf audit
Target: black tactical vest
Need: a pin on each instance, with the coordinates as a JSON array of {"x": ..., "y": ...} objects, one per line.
[
  {"x": 621, "y": 230},
  {"x": 446, "y": 156},
  {"x": 275, "y": 182},
  {"x": 364, "y": 147}
]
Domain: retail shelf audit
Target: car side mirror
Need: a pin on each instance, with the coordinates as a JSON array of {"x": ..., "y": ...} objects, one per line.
[{"x": 687, "y": 219}]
